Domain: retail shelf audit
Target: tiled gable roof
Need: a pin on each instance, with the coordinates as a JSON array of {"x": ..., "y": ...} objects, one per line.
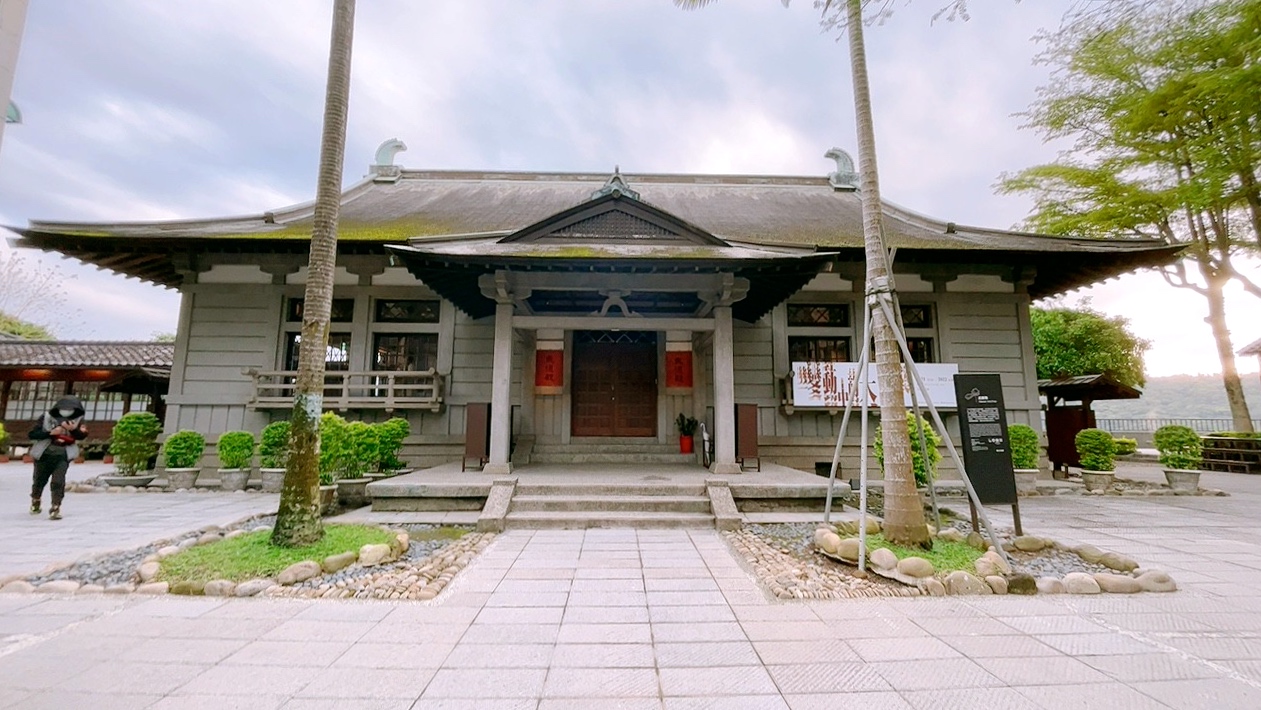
[{"x": 28, "y": 353}]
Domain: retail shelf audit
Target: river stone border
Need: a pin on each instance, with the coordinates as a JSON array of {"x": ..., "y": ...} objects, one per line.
[
  {"x": 992, "y": 573},
  {"x": 787, "y": 577},
  {"x": 420, "y": 580}
]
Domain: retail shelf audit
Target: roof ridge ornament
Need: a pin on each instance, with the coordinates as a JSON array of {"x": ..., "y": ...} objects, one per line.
[
  {"x": 384, "y": 169},
  {"x": 845, "y": 177},
  {"x": 616, "y": 186}
]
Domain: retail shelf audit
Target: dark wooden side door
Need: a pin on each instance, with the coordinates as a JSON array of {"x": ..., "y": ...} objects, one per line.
[{"x": 614, "y": 384}]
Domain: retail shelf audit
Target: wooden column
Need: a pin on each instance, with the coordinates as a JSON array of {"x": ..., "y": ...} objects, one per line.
[
  {"x": 724, "y": 394},
  {"x": 501, "y": 393}
]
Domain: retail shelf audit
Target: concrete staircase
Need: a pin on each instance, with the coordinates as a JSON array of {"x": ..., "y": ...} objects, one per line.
[
  {"x": 610, "y": 450},
  {"x": 538, "y": 506}
]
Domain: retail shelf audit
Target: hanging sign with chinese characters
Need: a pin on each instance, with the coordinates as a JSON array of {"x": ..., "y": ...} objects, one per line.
[
  {"x": 549, "y": 367},
  {"x": 833, "y": 384},
  {"x": 679, "y": 369}
]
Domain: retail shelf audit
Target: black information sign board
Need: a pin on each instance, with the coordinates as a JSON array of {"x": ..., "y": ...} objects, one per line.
[{"x": 983, "y": 427}]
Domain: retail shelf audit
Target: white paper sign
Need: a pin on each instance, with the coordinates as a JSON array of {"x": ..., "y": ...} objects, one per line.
[{"x": 832, "y": 384}]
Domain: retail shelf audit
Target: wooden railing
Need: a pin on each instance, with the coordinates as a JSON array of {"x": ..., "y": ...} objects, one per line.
[{"x": 376, "y": 389}]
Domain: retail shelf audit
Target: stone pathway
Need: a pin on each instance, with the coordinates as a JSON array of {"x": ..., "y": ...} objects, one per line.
[
  {"x": 596, "y": 619},
  {"x": 103, "y": 522}
]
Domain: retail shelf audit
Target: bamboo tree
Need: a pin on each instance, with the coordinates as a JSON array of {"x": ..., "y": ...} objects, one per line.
[{"x": 298, "y": 518}]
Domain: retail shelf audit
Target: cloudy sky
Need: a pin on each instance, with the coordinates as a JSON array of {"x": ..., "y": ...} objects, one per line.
[{"x": 164, "y": 109}]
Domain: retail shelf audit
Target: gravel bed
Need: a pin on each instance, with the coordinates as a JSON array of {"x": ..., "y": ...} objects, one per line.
[
  {"x": 423, "y": 545},
  {"x": 795, "y": 541},
  {"x": 120, "y": 567}
]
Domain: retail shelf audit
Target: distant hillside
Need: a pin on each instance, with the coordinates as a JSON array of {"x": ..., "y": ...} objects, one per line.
[{"x": 1189, "y": 396}]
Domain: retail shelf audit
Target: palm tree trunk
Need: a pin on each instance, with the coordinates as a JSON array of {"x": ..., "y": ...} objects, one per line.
[
  {"x": 903, "y": 511},
  {"x": 298, "y": 518}
]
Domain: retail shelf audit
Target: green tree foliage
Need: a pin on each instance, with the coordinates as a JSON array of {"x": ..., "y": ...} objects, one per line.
[
  {"x": 1070, "y": 342},
  {"x": 1159, "y": 109},
  {"x": 21, "y": 329}
]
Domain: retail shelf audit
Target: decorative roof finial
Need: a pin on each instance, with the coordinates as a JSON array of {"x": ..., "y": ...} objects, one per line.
[
  {"x": 616, "y": 186},
  {"x": 384, "y": 169},
  {"x": 845, "y": 177}
]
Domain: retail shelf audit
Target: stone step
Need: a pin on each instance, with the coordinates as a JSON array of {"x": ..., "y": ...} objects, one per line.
[
  {"x": 605, "y": 503},
  {"x": 629, "y": 457},
  {"x": 607, "y": 448},
  {"x": 537, "y": 520},
  {"x": 605, "y": 489}
]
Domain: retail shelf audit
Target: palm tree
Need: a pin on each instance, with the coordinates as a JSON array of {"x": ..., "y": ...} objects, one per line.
[
  {"x": 298, "y": 518},
  {"x": 903, "y": 510},
  {"x": 904, "y": 521}
]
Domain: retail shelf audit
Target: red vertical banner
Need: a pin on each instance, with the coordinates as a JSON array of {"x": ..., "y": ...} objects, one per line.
[
  {"x": 679, "y": 369},
  {"x": 549, "y": 371}
]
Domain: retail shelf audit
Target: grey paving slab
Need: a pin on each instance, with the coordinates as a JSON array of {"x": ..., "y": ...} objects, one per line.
[
  {"x": 670, "y": 619},
  {"x": 96, "y": 523}
]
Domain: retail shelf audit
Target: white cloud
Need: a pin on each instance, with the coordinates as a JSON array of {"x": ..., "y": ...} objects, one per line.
[{"x": 141, "y": 110}]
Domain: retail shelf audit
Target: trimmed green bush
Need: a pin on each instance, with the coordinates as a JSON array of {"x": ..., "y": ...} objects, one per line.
[
  {"x": 922, "y": 471},
  {"x": 332, "y": 444},
  {"x": 1096, "y": 449},
  {"x": 1024, "y": 446},
  {"x": 4, "y": 438},
  {"x": 273, "y": 447},
  {"x": 1179, "y": 446},
  {"x": 390, "y": 436},
  {"x": 135, "y": 442},
  {"x": 183, "y": 449},
  {"x": 236, "y": 449},
  {"x": 1125, "y": 447},
  {"x": 362, "y": 450},
  {"x": 1238, "y": 434}
]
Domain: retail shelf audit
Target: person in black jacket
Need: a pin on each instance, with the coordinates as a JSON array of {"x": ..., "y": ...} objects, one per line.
[{"x": 56, "y": 436}]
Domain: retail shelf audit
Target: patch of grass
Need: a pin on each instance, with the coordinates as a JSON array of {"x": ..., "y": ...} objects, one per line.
[
  {"x": 945, "y": 556},
  {"x": 252, "y": 555}
]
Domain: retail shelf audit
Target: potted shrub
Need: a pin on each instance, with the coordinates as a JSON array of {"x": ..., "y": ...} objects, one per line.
[
  {"x": 182, "y": 456},
  {"x": 923, "y": 470},
  {"x": 1181, "y": 452},
  {"x": 390, "y": 437},
  {"x": 332, "y": 455},
  {"x": 134, "y": 444},
  {"x": 1025, "y": 449},
  {"x": 362, "y": 452},
  {"x": 4, "y": 444},
  {"x": 1097, "y": 451},
  {"x": 687, "y": 429},
  {"x": 273, "y": 455},
  {"x": 236, "y": 459}
]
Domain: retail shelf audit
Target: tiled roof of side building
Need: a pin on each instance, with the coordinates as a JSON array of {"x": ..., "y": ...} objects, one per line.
[{"x": 26, "y": 353}]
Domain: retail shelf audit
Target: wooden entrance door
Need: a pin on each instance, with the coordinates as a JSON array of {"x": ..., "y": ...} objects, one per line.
[{"x": 615, "y": 384}]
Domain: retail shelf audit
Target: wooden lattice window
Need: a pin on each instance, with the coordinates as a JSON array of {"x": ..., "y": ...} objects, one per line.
[
  {"x": 343, "y": 310},
  {"x": 805, "y": 349},
  {"x": 819, "y": 314},
  {"x": 407, "y": 311},
  {"x": 917, "y": 316}
]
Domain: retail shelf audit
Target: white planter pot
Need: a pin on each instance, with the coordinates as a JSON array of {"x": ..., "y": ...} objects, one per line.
[
  {"x": 1026, "y": 481},
  {"x": 273, "y": 479},
  {"x": 1097, "y": 480},
  {"x": 1182, "y": 480},
  {"x": 233, "y": 479},
  {"x": 177, "y": 478}
]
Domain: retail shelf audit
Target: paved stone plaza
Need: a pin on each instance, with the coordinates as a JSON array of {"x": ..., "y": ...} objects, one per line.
[{"x": 646, "y": 619}]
